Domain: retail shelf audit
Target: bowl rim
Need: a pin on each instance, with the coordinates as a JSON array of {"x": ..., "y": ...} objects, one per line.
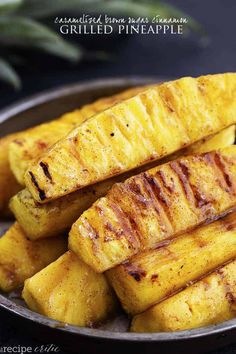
[
  {"x": 25, "y": 313},
  {"x": 60, "y": 91},
  {"x": 42, "y": 98}
]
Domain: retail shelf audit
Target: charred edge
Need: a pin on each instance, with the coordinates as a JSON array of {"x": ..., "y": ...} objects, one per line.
[
  {"x": 155, "y": 187},
  {"x": 46, "y": 170},
  {"x": 183, "y": 178},
  {"x": 41, "y": 192},
  {"x": 92, "y": 232},
  {"x": 18, "y": 142},
  {"x": 230, "y": 227},
  {"x": 221, "y": 166},
  {"x": 160, "y": 202},
  {"x": 154, "y": 277},
  {"x": 93, "y": 236},
  {"x": 128, "y": 225},
  {"x": 200, "y": 198},
  {"x": 184, "y": 169},
  {"x": 42, "y": 145},
  {"x": 137, "y": 274},
  {"x": 135, "y": 189},
  {"x": 163, "y": 244},
  {"x": 209, "y": 158},
  {"x": 110, "y": 228},
  {"x": 169, "y": 187}
]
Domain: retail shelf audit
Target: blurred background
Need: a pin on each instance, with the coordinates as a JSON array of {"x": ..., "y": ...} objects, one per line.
[{"x": 42, "y": 61}]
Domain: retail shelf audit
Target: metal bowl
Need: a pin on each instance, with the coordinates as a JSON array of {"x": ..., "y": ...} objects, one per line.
[{"x": 113, "y": 335}]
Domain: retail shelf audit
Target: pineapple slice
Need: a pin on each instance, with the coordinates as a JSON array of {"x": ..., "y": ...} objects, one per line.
[
  {"x": 218, "y": 141},
  {"x": 153, "y": 124},
  {"x": 69, "y": 291},
  {"x": 21, "y": 258},
  {"x": 208, "y": 302},
  {"x": 32, "y": 143},
  {"x": 47, "y": 220},
  {"x": 38, "y": 220},
  {"x": 18, "y": 150},
  {"x": 149, "y": 277},
  {"x": 153, "y": 206}
]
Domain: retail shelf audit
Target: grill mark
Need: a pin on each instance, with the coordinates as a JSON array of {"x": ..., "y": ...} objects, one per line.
[
  {"x": 201, "y": 201},
  {"x": 134, "y": 271},
  {"x": 209, "y": 158},
  {"x": 170, "y": 188},
  {"x": 164, "y": 220},
  {"x": 163, "y": 244},
  {"x": 154, "y": 277},
  {"x": 201, "y": 243},
  {"x": 108, "y": 225},
  {"x": 41, "y": 144},
  {"x": 45, "y": 170},
  {"x": 136, "y": 191},
  {"x": 222, "y": 167},
  {"x": 155, "y": 188},
  {"x": 92, "y": 232},
  {"x": 137, "y": 275},
  {"x": 111, "y": 229},
  {"x": 93, "y": 235},
  {"x": 42, "y": 194},
  {"x": 128, "y": 225},
  {"x": 183, "y": 178},
  {"x": 159, "y": 202},
  {"x": 74, "y": 151}
]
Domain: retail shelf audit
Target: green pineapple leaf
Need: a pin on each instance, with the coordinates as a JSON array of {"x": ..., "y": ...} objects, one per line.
[
  {"x": 8, "y": 74},
  {"x": 22, "y": 32},
  {"x": 8, "y": 6}
]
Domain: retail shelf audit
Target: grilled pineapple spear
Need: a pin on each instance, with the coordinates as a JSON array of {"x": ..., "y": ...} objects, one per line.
[
  {"x": 32, "y": 143},
  {"x": 38, "y": 220},
  {"x": 148, "y": 126},
  {"x": 149, "y": 277},
  {"x": 209, "y": 301},
  {"x": 21, "y": 258},
  {"x": 154, "y": 206},
  {"x": 23, "y": 147},
  {"x": 47, "y": 220},
  {"x": 69, "y": 291},
  {"x": 218, "y": 141}
]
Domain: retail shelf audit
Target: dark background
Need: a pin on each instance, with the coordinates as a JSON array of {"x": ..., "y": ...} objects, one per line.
[{"x": 131, "y": 56}]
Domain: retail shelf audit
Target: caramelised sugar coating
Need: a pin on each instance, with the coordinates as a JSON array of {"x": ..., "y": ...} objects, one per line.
[
  {"x": 150, "y": 277},
  {"x": 69, "y": 291},
  {"x": 208, "y": 302},
  {"x": 153, "y": 206},
  {"x": 144, "y": 128},
  {"x": 21, "y": 258},
  {"x": 38, "y": 220},
  {"x": 32, "y": 143}
]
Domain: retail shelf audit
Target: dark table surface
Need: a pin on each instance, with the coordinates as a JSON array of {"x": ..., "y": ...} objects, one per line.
[{"x": 168, "y": 56}]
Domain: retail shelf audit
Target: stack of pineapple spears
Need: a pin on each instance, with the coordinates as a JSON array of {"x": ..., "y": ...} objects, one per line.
[{"x": 163, "y": 239}]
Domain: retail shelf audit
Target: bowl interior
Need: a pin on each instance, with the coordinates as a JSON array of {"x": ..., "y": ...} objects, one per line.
[{"x": 47, "y": 106}]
